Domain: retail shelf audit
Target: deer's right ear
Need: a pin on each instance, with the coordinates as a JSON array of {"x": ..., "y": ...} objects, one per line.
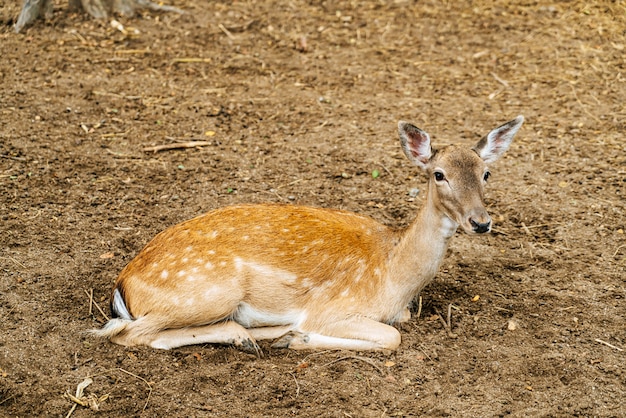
[{"x": 415, "y": 144}]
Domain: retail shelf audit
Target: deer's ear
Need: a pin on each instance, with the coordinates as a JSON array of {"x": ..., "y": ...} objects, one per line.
[
  {"x": 492, "y": 146},
  {"x": 415, "y": 144}
]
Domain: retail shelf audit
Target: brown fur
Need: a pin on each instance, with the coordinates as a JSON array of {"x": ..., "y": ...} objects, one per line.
[{"x": 317, "y": 278}]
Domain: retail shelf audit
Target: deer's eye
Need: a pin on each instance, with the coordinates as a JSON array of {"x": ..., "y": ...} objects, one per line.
[
  {"x": 486, "y": 176},
  {"x": 439, "y": 176}
]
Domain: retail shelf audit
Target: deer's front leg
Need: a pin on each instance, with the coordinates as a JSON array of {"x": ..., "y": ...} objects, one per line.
[{"x": 349, "y": 334}]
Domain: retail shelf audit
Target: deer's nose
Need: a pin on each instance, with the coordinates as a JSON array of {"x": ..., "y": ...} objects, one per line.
[{"x": 481, "y": 228}]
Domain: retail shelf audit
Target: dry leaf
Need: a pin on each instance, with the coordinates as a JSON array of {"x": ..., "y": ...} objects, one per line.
[{"x": 107, "y": 255}]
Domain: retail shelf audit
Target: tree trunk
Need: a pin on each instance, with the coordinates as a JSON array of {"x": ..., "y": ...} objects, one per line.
[{"x": 99, "y": 9}]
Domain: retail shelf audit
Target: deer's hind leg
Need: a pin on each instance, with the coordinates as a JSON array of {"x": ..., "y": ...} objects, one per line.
[{"x": 227, "y": 332}]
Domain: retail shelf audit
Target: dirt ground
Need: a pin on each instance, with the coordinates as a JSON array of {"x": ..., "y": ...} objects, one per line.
[{"x": 299, "y": 102}]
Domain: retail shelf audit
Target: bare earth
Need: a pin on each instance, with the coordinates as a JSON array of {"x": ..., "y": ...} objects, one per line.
[{"x": 299, "y": 103}]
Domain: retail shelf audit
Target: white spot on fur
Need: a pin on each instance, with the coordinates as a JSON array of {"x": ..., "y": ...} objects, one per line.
[
  {"x": 211, "y": 293},
  {"x": 238, "y": 264},
  {"x": 181, "y": 273},
  {"x": 209, "y": 266},
  {"x": 211, "y": 252},
  {"x": 164, "y": 274}
]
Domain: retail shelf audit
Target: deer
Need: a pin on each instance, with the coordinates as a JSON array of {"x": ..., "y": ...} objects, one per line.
[{"x": 308, "y": 278}]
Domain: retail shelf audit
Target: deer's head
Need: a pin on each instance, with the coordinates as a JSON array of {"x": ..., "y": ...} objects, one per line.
[{"x": 457, "y": 175}]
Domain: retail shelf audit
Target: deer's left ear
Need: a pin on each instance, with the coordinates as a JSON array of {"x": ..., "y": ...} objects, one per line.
[{"x": 492, "y": 146}]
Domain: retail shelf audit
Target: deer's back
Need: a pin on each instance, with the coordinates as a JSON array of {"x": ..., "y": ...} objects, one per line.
[{"x": 251, "y": 253}]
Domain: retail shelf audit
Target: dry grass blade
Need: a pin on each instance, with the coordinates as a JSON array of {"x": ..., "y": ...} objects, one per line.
[{"x": 79, "y": 399}]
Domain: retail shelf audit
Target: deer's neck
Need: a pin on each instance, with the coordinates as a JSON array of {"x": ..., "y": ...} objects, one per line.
[{"x": 420, "y": 251}]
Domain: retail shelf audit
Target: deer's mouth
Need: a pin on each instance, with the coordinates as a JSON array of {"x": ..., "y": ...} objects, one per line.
[{"x": 477, "y": 224}]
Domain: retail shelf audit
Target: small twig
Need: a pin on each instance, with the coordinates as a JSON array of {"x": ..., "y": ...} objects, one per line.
[
  {"x": 319, "y": 353},
  {"x": 116, "y": 95},
  {"x": 499, "y": 80},
  {"x": 96, "y": 305},
  {"x": 387, "y": 170},
  {"x": 226, "y": 32},
  {"x": 15, "y": 261},
  {"x": 425, "y": 353},
  {"x": 289, "y": 184},
  {"x": 598, "y": 340},
  {"x": 143, "y": 380},
  {"x": 91, "y": 301},
  {"x": 71, "y": 410},
  {"x": 419, "y": 307},
  {"x": 297, "y": 384},
  {"x": 178, "y": 145},
  {"x": 583, "y": 106},
  {"x": 447, "y": 325},
  {"x": 190, "y": 60},
  {"x": 120, "y": 155},
  {"x": 132, "y": 51},
  {"x": 10, "y": 157},
  {"x": 363, "y": 359}
]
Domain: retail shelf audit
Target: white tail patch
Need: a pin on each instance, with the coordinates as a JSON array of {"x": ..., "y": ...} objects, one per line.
[{"x": 119, "y": 306}]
